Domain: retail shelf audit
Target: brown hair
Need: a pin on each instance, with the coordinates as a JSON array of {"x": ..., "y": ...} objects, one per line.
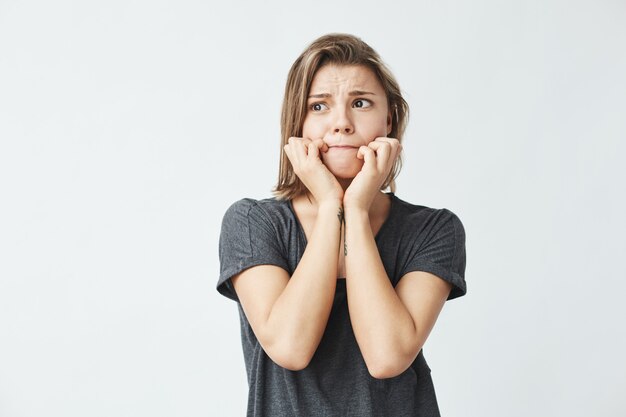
[{"x": 337, "y": 49}]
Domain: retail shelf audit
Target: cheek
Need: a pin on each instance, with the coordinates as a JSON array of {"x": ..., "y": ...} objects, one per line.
[
  {"x": 374, "y": 128},
  {"x": 306, "y": 127}
]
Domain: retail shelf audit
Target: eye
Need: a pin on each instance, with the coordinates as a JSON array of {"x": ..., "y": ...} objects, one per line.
[
  {"x": 318, "y": 106},
  {"x": 362, "y": 103}
]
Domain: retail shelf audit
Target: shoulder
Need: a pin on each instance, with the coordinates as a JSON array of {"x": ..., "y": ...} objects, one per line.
[
  {"x": 252, "y": 234},
  {"x": 434, "y": 240},
  {"x": 248, "y": 217},
  {"x": 423, "y": 217},
  {"x": 266, "y": 208}
]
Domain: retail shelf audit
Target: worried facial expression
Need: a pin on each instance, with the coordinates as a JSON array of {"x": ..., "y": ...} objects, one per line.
[{"x": 346, "y": 108}]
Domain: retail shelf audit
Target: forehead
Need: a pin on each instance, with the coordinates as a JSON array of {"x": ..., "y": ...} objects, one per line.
[{"x": 336, "y": 78}]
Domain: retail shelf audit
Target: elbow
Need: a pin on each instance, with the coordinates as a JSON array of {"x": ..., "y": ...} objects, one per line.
[
  {"x": 288, "y": 356},
  {"x": 387, "y": 369},
  {"x": 389, "y": 365},
  {"x": 291, "y": 362}
]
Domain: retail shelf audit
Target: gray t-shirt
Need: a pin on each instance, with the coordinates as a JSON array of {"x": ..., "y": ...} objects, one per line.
[{"x": 336, "y": 382}]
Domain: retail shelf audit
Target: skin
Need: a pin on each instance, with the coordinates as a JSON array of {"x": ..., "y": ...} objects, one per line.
[{"x": 343, "y": 159}]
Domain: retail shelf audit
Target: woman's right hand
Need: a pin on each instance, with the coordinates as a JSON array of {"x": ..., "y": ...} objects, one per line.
[{"x": 304, "y": 155}]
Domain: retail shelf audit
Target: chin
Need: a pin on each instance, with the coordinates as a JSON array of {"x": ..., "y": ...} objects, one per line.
[{"x": 346, "y": 169}]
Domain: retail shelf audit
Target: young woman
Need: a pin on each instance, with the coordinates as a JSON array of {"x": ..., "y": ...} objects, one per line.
[{"x": 338, "y": 283}]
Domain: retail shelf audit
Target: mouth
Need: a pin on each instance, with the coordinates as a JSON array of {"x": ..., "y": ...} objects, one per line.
[{"x": 339, "y": 147}]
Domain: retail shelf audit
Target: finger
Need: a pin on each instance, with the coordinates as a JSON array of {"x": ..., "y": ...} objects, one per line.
[
  {"x": 305, "y": 143},
  {"x": 383, "y": 152},
  {"x": 297, "y": 151},
  {"x": 387, "y": 139},
  {"x": 368, "y": 156},
  {"x": 289, "y": 152},
  {"x": 359, "y": 153},
  {"x": 395, "y": 143},
  {"x": 313, "y": 150},
  {"x": 397, "y": 150},
  {"x": 396, "y": 147},
  {"x": 321, "y": 145},
  {"x": 299, "y": 146},
  {"x": 293, "y": 142},
  {"x": 391, "y": 141},
  {"x": 296, "y": 140}
]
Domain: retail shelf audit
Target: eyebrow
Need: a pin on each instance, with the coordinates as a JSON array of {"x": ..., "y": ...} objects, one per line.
[{"x": 351, "y": 93}]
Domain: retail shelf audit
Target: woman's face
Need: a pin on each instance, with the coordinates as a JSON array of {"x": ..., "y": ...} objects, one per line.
[{"x": 347, "y": 108}]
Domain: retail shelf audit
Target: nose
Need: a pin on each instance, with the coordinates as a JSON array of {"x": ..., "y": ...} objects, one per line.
[{"x": 343, "y": 123}]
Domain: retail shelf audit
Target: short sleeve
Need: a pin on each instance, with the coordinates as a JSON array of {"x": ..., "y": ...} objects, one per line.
[
  {"x": 248, "y": 238},
  {"x": 441, "y": 251}
]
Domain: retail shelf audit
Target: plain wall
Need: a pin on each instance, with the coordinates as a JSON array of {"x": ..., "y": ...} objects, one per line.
[{"x": 127, "y": 129}]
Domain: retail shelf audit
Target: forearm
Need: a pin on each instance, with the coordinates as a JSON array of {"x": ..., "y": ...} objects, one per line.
[
  {"x": 299, "y": 315},
  {"x": 383, "y": 327}
]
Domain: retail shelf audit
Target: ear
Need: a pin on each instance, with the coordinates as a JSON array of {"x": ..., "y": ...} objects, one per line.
[{"x": 389, "y": 122}]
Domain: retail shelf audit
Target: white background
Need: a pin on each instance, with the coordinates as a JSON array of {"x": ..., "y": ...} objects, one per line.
[{"x": 128, "y": 127}]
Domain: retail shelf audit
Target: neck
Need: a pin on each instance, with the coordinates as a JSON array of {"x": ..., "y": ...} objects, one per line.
[{"x": 344, "y": 182}]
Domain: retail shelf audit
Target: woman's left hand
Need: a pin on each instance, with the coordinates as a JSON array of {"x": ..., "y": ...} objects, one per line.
[{"x": 379, "y": 157}]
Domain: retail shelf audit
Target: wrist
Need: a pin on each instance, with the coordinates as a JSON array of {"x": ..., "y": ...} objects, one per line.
[
  {"x": 331, "y": 205},
  {"x": 355, "y": 207},
  {"x": 355, "y": 212}
]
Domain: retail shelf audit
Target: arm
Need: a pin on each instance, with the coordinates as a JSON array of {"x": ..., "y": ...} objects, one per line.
[
  {"x": 390, "y": 325},
  {"x": 289, "y": 315}
]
